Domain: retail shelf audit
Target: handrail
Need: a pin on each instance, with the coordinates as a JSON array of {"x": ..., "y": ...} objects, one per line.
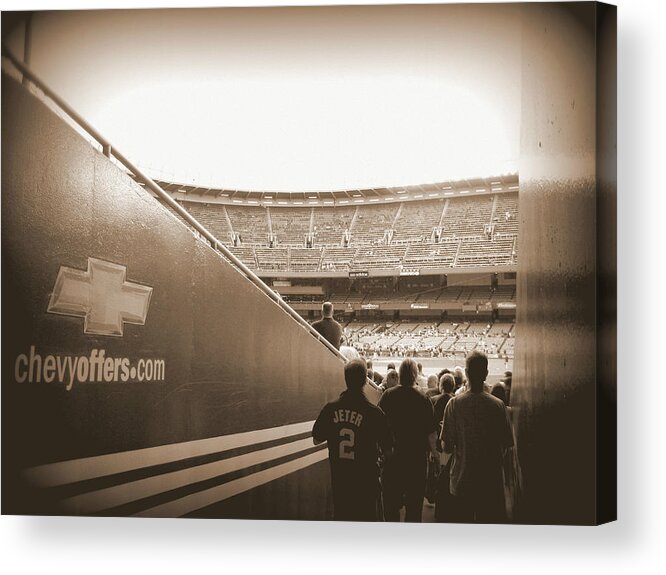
[
  {"x": 106, "y": 146},
  {"x": 109, "y": 151}
]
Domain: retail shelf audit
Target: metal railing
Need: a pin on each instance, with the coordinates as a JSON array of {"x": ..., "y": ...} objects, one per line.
[{"x": 112, "y": 153}]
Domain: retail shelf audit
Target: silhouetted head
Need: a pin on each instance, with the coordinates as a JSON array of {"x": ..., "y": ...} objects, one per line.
[
  {"x": 499, "y": 391},
  {"x": 507, "y": 386},
  {"x": 442, "y": 372},
  {"x": 420, "y": 366},
  {"x": 392, "y": 378},
  {"x": 355, "y": 372},
  {"x": 476, "y": 368},
  {"x": 432, "y": 381},
  {"x": 446, "y": 383},
  {"x": 390, "y": 366},
  {"x": 459, "y": 377},
  {"x": 409, "y": 371},
  {"x": 327, "y": 309},
  {"x": 368, "y": 363}
]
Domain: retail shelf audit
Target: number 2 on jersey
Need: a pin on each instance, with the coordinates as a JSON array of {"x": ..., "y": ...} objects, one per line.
[{"x": 347, "y": 444}]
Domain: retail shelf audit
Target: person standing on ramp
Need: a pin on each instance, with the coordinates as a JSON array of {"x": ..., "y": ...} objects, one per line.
[{"x": 355, "y": 430}]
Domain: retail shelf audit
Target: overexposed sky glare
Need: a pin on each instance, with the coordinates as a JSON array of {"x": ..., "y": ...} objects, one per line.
[{"x": 294, "y": 99}]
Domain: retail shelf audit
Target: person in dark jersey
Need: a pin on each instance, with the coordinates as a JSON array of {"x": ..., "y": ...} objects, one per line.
[
  {"x": 412, "y": 424},
  {"x": 327, "y": 327},
  {"x": 356, "y": 431}
]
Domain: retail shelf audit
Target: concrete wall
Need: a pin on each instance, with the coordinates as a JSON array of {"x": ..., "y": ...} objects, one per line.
[
  {"x": 556, "y": 378},
  {"x": 234, "y": 362}
]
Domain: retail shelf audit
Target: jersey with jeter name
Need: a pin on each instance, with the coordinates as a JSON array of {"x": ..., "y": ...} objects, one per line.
[{"x": 353, "y": 428}]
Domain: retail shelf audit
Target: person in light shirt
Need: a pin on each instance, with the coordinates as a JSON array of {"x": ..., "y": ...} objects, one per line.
[{"x": 477, "y": 432}]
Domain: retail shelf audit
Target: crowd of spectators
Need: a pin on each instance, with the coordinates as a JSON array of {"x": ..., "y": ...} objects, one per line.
[
  {"x": 445, "y": 439},
  {"x": 449, "y": 340}
]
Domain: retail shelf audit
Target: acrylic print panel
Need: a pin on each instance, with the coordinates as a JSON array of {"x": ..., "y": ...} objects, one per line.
[{"x": 198, "y": 243}]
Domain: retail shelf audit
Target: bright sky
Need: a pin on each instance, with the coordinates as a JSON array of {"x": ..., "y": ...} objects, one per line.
[{"x": 294, "y": 99}]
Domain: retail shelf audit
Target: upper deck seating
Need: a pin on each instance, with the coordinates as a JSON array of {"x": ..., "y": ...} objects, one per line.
[
  {"x": 329, "y": 224},
  {"x": 371, "y": 222},
  {"x": 251, "y": 223},
  {"x": 304, "y": 259},
  {"x": 488, "y": 252},
  {"x": 273, "y": 259},
  {"x": 378, "y": 257},
  {"x": 246, "y": 255},
  {"x": 290, "y": 225},
  {"x": 213, "y": 217},
  {"x": 467, "y": 216},
  {"x": 506, "y": 213},
  {"x": 466, "y": 240},
  {"x": 431, "y": 255},
  {"x": 417, "y": 219},
  {"x": 337, "y": 258}
]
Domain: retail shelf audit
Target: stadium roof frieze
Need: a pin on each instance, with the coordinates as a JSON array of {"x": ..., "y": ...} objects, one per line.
[{"x": 468, "y": 186}]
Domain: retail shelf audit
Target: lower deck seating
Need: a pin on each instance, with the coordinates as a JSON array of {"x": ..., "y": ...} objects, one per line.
[{"x": 446, "y": 338}]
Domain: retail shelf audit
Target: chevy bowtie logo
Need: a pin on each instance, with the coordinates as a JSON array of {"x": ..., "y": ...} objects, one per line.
[{"x": 101, "y": 296}]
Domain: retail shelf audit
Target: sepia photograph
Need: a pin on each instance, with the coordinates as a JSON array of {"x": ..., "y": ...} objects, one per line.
[{"x": 317, "y": 263}]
